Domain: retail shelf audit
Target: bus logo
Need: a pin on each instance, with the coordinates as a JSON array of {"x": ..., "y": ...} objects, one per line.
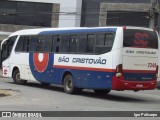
[
  {"x": 140, "y": 39},
  {"x": 41, "y": 64},
  {"x": 41, "y": 61}
]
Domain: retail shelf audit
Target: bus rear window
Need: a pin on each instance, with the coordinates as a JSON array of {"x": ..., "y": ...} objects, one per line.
[{"x": 140, "y": 39}]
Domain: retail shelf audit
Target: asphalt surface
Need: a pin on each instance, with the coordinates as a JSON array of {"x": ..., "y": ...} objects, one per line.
[{"x": 35, "y": 97}]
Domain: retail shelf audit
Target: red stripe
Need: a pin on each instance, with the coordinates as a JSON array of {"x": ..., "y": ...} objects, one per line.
[
  {"x": 102, "y": 69},
  {"x": 139, "y": 71},
  {"x": 84, "y": 68}
]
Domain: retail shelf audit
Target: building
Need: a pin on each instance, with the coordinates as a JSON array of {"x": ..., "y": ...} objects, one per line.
[
  {"x": 23, "y": 14},
  {"x": 116, "y": 12}
]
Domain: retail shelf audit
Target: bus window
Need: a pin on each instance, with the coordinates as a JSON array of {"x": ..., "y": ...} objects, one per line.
[
  {"x": 100, "y": 43},
  {"x": 48, "y": 44},
  {"x": 104, "y": 42},
  {"x": 109, "y": 39},
  {"x": 100, "y": 39},
  {"x": 140, "y": 38},
  {"x": 82, "y": 44},
  {"x": 19, "y": 47},
  {"x": 26, "y": 44},
  {"x": 4, "y": 51},
  {"x": 40, "y": 44},
  {"x": 10, "y": 42},
  {"x": 64, "y": 44},
  {"x": 33, "y": 43},
  {"x": 22, "y": 44},
  {"x": 56, "y": 41},
  {"x": 73, "y": 43},
  {"x": 90, "y": 43}
]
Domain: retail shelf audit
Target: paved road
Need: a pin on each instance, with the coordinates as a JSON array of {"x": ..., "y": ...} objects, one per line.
[{"x": 34, "y": 97}]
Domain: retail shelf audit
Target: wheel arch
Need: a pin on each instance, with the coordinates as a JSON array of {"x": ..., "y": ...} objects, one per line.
[
  {"x": 65, "y": 73},
  {"x": 14, "y": 69}
]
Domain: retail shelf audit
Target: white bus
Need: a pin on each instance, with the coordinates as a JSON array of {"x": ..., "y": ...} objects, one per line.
[{"x": 102, "y": 59}]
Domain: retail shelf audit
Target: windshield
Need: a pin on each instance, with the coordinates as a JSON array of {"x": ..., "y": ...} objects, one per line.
[
  {"x": 140, "y": 39},
  {"x": 7, "y": 46}
]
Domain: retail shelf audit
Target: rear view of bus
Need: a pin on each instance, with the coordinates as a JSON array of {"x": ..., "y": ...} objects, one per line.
[{"x": 139, "y": 68}]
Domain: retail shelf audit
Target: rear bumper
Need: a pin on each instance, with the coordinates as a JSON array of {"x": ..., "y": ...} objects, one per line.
[{"x": 119, "y": 84}]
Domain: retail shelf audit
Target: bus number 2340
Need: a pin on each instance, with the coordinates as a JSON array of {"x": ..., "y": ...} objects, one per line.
[{"x": 152, "y": 65}]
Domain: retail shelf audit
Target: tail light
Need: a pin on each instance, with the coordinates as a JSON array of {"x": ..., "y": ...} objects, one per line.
[{"x": 119, "y": 71}]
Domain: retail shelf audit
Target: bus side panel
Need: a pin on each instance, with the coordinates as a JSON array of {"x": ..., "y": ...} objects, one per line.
[
  {"x": 85, "y": 78},
  {"x": 117, "y": 53},
  {"x": 24, "y": 65},
  {"x": 87, "y": 72},
  {"x": 41, "y": 67},
  {"x": 117, "y": 58},
  {"x": 93, "y": 79},
  {"x": 20, "y": 61}
]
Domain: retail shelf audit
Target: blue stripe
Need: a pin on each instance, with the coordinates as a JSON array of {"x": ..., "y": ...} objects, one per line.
[{"x": 51, "y": 32}]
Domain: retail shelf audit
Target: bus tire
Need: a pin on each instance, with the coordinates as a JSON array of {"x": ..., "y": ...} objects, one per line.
[
  {"x": 68, "y": 85},
  {"x": 17, "y": 79},
  {"x": 100, "y": 92}
]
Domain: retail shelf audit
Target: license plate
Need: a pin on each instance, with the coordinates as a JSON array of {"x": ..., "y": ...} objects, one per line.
[{"x": 139, "y": 85}]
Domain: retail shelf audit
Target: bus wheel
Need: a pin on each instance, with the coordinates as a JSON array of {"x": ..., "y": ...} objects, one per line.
[
  {"x": 69, "y": 85},
  {"x": 17, "y": 79},
  {"x": 100, "y": 92}
]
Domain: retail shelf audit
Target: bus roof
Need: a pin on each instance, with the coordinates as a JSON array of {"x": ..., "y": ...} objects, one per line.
[
  {"x": 38, "y": 30},
  {"x": 42, "y": 31}
]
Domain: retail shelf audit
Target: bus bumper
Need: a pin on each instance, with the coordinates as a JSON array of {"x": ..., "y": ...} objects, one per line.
[{"x": 119, "y": 84}]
